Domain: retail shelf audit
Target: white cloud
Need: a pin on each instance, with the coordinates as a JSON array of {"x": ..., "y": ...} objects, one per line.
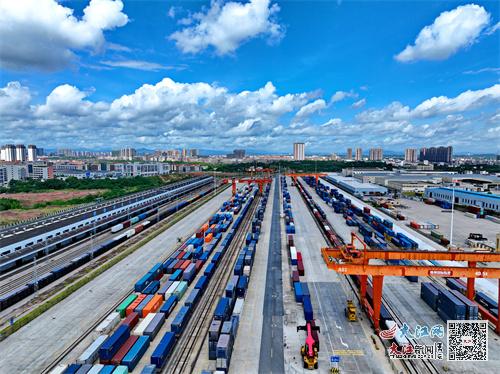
[
  {"x": 493, "y": 29},
  {"x": 225, "y": 26},
  {"x": 332, "y": 122},
  {"x": 140, "y": 65},
  {"x": 171, "y": 12},
  {"x": 311, "y": 108},
  {"x": 65, "y": 100},
  {"x": 341, "y": 95},
  {"x": 14, "y": 99},
  {"x": 483, "y": 70},
  {"x": 44, "y": 34},
  {"x": 451, "y": 31},
  {"x": 359, "y": 104}
]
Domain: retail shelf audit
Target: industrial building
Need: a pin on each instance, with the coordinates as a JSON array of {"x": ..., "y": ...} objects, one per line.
[
  {"x": 465, "y": 198},
  {"x": 356, "y": 187},
  {"x": 299, "y": 151}
]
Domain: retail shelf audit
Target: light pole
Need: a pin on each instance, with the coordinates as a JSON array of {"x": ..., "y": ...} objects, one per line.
[{"x": 452, "y": 211}]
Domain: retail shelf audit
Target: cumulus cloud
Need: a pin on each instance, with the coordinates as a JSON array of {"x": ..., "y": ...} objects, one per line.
[
  {"x": 451, "y": 31},
  {"x": 435, "y": 106},
  {"x": 341, "y": 95},
  {"x": 175, "y": 114},
  {"x": 359, "y": 104},
  {"x": 311, "y": 108},
  {"x": 44, "y": 34},
  {"x": 225, "y": 26}
]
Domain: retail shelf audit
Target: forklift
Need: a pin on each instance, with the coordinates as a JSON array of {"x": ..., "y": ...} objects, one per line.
[
  {"x": 309, "y": 351},
  {"x": 350, "y": 311}
]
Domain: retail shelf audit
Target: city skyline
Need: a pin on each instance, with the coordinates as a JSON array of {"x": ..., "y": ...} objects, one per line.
[{"x": 185, "y": 90}]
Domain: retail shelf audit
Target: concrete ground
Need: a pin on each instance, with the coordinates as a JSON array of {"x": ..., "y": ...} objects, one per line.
[
  {"x": 462, "y": 225},
  {"x": 246, "y": 352},
  {"x": 404, "y": 297},
  {"x": 37, "y": 344},
  {"x": 352, "y": 341},
  {"x": 271, "y": 348}
]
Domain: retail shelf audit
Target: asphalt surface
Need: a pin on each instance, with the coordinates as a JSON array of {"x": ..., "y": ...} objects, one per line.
[{"x": 271, "y": 348}]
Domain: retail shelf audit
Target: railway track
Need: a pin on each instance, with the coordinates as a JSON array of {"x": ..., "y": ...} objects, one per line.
[
  {"x": 22, "y": 276},
  {"x": 412, "y": 366},
  {"x": 189, "y": 345},
  {"x": 91, "y": 328}
]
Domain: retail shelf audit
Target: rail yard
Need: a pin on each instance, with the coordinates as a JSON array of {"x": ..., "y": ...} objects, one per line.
[{"x": 283, "y": 274}]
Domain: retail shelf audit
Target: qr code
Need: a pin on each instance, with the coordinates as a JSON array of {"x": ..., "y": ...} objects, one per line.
[{"x": 467, "y": 340}]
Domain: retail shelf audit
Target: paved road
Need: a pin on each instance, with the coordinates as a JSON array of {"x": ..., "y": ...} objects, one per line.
[{"x": 271, "y": 348}]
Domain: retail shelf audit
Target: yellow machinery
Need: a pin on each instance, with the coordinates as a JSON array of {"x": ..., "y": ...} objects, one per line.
[
  {"x": 350, "y": 311},
  {"x": 309, "y": 351}
]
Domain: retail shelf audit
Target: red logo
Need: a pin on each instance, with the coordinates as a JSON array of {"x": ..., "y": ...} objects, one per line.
[{"x": 388, "y": 334}]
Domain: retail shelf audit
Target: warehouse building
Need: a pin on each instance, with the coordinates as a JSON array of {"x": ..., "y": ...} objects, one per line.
[
  {"x": 466, "y": 198},
  {"x": 356, "y": 187}
]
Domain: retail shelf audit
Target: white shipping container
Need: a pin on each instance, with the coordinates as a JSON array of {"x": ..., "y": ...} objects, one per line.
[
  {"x": 96, "y": 369},
  {"x": 238, "y": 306},
  {"x": 171, "y": 289},
  {"x": 92, "y": 351},
  {"x": 145, "y": 223},
  {"x": 117, "y": 228},
  {"x": 293, "y": 253},
  {"x": 130, "y": 233},
  {"x": 246, "y": 270},
  {"x": 470, "y": 215},
  {"x": 108, "y": 324},
  {"x": 139, "y": 330},
  {"x": 221, "y": 363},
  {"x": 492, "y": 219}
]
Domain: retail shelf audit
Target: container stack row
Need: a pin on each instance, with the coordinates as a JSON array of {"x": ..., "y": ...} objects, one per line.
[
  {"x": 123, "y": 337},
  {"x": 227, "y": 314}
]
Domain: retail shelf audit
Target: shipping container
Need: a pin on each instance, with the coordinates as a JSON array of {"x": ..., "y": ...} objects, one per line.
[
  {"x": 92, "y": 352},
  {"x": 122, "y": 308},
  {"x": 163, "y": 350},
  {"x": 202, "y": 283},
  {"x": 176, "y": 275},
  {"x": 143, "y": 304},
  {"x": 155, "y": 325},
  {"x": 223, "y": 309},
  {"x": 141, "y": 326},
  {"x": 149, "y": 369},
  {"x": 153, "y": 305},
  {"x": 114, "y": 342},
  {"x": 134, "y": 304},
  {"x": 297, "y": 287},
  {"x": 122, "y": 369},
  {"x": 163, "y": 289},
  {"x": 180, "y": 320},
  {"x": 131, "y": 320},
  {"x": 193, "y": 298},
  {"x": 181, "y": 290},
  {"x": 169, "y": 305},
  {"x": 308, "y": 309},
  {"x": 171, "y": 290},
  {"x": 109, "y": 323},
  {"x": 134, "y": 355},
  {"x": 122, "y": 352}
]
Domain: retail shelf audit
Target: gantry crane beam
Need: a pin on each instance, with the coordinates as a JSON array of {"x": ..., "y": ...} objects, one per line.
[
  {"x": 316, "y": 175},
  {"x": 418, "y": 255},
  {"x": 259, "y": 181},
  {"x": 347, "y": 259}
]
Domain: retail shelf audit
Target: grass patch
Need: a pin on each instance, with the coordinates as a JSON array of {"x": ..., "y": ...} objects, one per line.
[{"x": 30, "y": 316}]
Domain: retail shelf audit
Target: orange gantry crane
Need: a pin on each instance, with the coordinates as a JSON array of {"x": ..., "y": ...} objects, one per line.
[
  {"x": 315, "y": 175},
  {"x": 259, "y": 181},
  {"x": 348, "y": 259}
]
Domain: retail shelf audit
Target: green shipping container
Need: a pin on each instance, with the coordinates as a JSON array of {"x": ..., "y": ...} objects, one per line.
[
  {"x": 123, "y": 306},
  {"x": 181, "y": 290},
  {"x": 122, "y": 369},
  {"x": 436, "y": 234}
]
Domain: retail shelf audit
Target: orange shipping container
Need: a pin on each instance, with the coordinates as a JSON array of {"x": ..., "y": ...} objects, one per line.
[
  {"x": 135, "y": 303},
  {"x": 204, "y": 227},
  {"x": 208, "y": 238},
  {"x": 185, "y": 264},
  {"x": 213, "y": 226},
  {"x": 153, "y": 305}
]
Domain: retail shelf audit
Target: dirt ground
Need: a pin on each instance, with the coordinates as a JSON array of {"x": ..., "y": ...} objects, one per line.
[
  {"x": 16, "y": 215},
  {"x": 30, "y": 198}
]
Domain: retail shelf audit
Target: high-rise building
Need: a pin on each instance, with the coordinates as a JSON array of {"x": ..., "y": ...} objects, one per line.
[
  {"x": 348, "y": 155},
  {"x": 40, "y": 152},
  {"x": 32, "y": 153},
  {"x": 128, "y": 153},
  {"x": 239, "y": 153},
  {"x": 359, "y": 154},
  {"x": 184, "y": 154},
  {"x": 411, "y": 155},
  {"x": 436, "y": 154},
  {"x": 299, "y": 151},
  {"x": 376, "y": 154},
  {"x": 21, "y": 153},
  {"x": 193, "y": 153}
]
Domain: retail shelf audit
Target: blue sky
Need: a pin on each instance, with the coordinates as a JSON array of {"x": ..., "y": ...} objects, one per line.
[{"x": 255, "y": 74}]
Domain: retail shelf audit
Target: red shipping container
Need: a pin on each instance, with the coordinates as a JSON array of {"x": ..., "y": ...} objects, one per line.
[
  {"x": 185, "y": 264},
  {"x": 131, "y": 320},
  {"x": 299, "y": 256},
  {"x": 122, "y": 352},
  {"x": 198, "y": 265},
  {"x": 366, "y": 210},
  {"x": 199, "y": 234},
  {"x": 135, "y": 304},
  {"x": 300, "y": 267},
  {"x": 178, "y": 264},
  {"x": 180, "y": 255},
  {"x": 295, "y": 276}
]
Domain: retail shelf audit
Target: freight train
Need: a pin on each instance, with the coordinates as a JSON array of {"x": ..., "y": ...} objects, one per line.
[
  {"x": 22, "y": 292},
  {"x": 90, "y": 220}
]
